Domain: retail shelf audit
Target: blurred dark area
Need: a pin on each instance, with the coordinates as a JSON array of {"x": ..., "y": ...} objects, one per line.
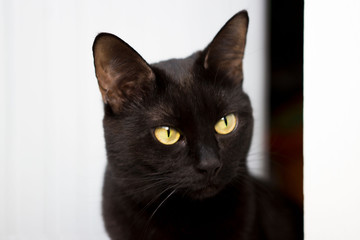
[{"x": 286, "y": 96}]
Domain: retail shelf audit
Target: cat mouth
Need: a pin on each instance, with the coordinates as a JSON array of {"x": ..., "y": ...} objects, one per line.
[{"x": 207, "y": 191}]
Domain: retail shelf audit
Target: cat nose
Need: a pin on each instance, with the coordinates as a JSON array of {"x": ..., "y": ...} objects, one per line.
[{"x": 209, "y": 166}]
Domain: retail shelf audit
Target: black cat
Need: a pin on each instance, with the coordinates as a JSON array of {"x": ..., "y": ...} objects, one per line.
[{"x": 177, "y": 136}]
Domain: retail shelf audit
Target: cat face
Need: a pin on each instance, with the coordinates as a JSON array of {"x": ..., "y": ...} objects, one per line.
[{"x": 181, "y": 125}]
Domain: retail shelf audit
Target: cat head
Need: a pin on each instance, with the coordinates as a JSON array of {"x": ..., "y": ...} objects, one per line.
[{"x": 182, "y": 125}]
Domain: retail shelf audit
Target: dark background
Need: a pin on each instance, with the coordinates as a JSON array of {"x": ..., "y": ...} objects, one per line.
[{"x": 286, "y": 96}]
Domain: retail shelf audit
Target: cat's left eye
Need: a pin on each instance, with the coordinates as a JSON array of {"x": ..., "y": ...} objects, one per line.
[
  {"x": 226, "y": 124},
  {"x": 167, "y": 135}
]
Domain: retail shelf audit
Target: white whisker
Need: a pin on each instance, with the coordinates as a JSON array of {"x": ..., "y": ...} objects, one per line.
[{"x": 152, "y": 215}]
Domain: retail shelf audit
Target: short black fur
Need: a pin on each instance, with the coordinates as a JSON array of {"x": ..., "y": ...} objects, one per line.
[{"x": 199, "y": 187}]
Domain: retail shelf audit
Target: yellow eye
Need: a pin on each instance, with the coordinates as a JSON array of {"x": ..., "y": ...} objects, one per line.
[
  {"x": 226, "y": 124},
  {"x": 167, "y": 135}
]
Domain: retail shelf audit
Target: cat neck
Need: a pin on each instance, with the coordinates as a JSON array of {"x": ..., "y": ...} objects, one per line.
[{"x": 179, "y": 217}]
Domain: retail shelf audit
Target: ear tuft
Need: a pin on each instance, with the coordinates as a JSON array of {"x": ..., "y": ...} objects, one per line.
[
  {"x": 123, "y": 75},
  {"x": 225, "y": 53}
]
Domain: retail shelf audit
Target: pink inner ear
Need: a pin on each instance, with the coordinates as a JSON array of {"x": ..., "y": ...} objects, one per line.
[
  {"x": 123, "y": 75},
  {"x": 225, "y": 53}
]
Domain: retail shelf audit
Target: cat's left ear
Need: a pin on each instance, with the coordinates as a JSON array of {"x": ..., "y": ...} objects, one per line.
[{"x": 224, "y": 55}]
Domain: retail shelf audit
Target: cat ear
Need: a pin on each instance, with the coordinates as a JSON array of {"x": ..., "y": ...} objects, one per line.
[
  {"x": 225, "y": 53},
  {"x": 122, "y": 73}
]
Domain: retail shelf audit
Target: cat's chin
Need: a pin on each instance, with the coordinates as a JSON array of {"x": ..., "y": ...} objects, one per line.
[{"x": 205, "y": 192}]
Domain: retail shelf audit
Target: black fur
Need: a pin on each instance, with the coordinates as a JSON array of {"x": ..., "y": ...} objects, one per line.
[{"x": 155, "y": 191}]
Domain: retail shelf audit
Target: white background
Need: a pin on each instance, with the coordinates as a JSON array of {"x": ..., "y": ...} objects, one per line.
[
  {"x": 51, "y": 141},
  {"x": 332, "y": 119}
]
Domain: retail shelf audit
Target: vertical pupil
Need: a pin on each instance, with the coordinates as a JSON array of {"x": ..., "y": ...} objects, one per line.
[
  {"x": 168, "y": 131},
  {"x": 225, "y": 121}
]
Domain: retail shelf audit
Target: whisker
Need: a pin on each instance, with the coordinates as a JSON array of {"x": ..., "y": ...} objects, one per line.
[
  {"x": 158, "y": 207},
  {"x": 156, "y": 197},
  {"x": 152, "y": 215}
]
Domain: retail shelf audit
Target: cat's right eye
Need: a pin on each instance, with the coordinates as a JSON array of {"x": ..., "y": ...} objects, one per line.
[{"x": 167, "y": 135}]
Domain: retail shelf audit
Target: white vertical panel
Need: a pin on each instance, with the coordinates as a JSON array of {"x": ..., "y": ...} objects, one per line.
[
  {"x": 331, "y": 120},
  {"x": 52, "y": 149},
  {"x": 256, "y": 77},
  {"x": 3, "y": 119}
]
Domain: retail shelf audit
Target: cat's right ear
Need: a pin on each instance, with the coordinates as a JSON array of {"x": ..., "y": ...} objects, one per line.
[{"x": 122, "y": 74}]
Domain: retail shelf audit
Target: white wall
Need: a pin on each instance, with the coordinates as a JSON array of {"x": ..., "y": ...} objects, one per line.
[
  {"x": 332, "y": 120},
  {"x": 51, "y": 142}
]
